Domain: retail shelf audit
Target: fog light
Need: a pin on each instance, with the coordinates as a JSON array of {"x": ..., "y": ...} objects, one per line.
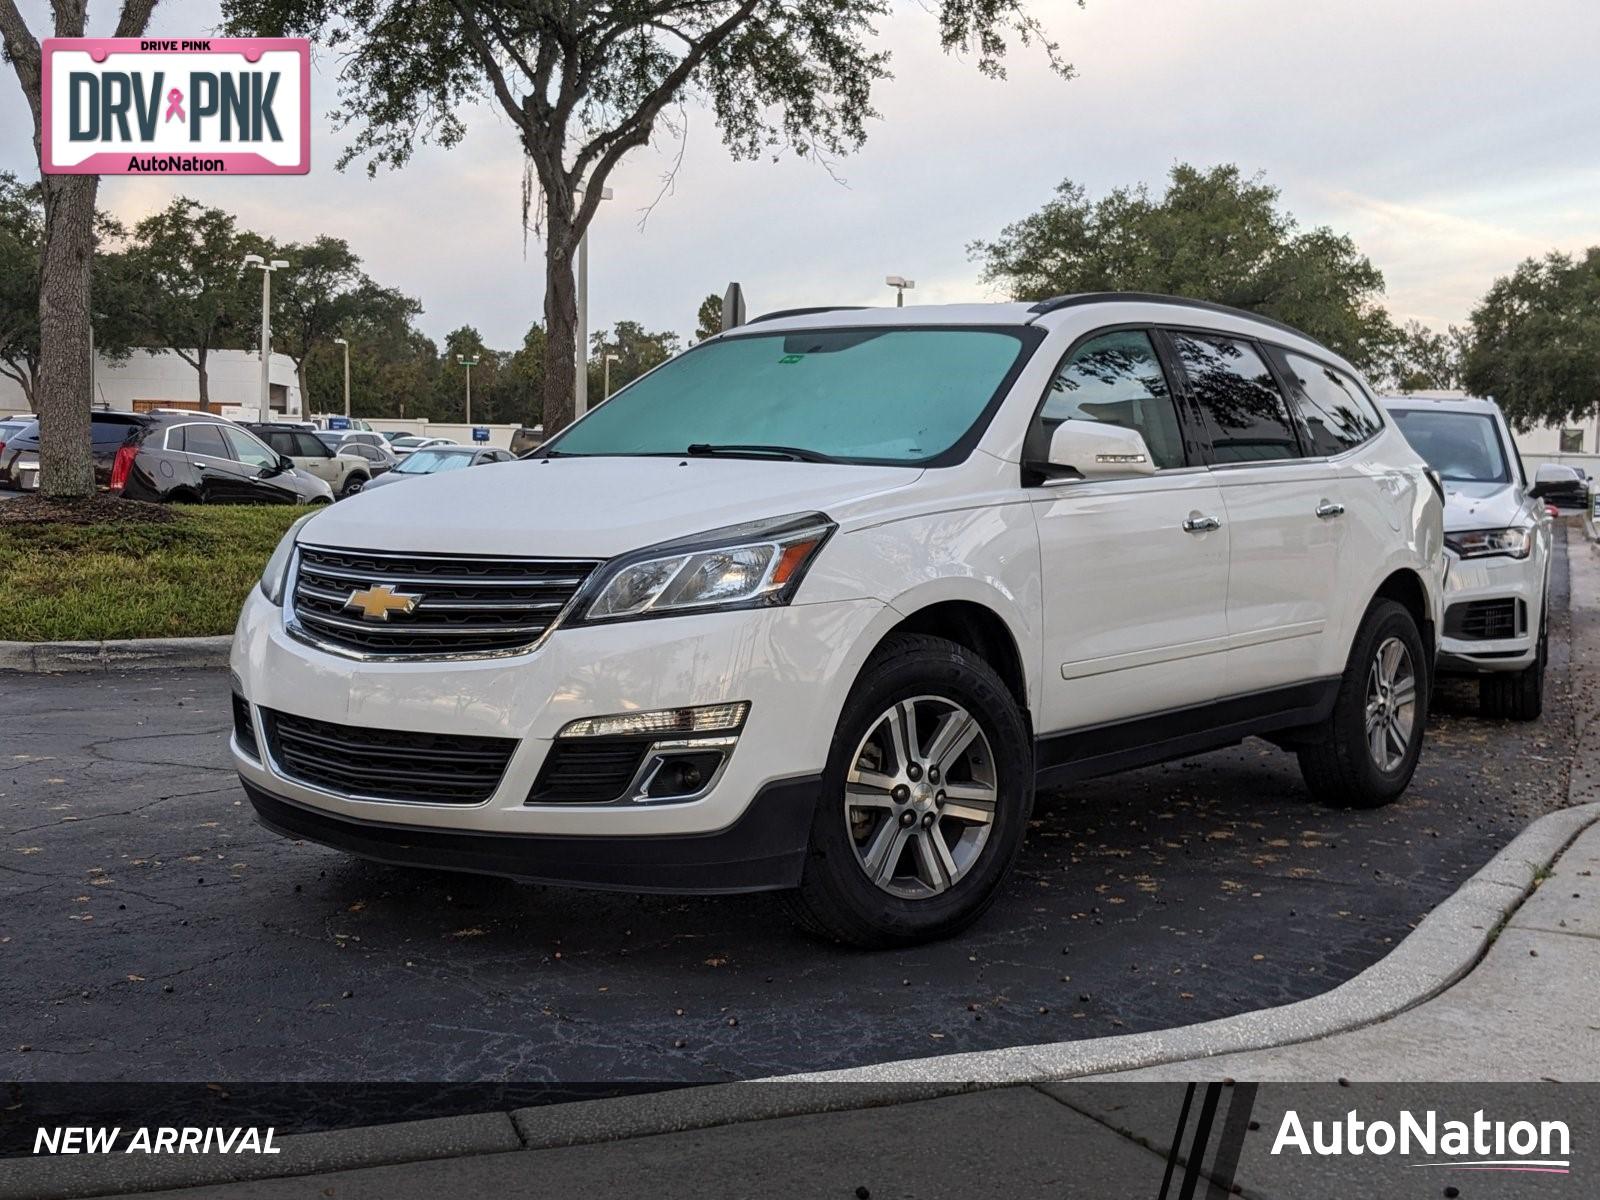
[
  {"x": 681, "y": 774},
  {"x": 709, "y": 718}
]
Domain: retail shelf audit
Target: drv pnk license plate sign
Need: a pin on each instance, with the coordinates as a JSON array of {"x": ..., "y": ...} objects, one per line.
[{"x": 170, "y": 106}]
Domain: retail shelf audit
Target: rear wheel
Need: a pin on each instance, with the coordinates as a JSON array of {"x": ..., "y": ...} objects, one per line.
[
  {"x": 1519, "y": 695},
  {"x": 352, "y": 485},
  {"x": 925, "y": 799},
  {"x": 1365, "y": 755}
]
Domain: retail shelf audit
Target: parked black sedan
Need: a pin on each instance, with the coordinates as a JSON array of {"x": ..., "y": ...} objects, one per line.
[
  {"x": 433, "y": 459},
  {"x": 180, "y": 456}
]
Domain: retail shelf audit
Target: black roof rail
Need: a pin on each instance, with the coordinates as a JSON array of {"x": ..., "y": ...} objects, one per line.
[
  {"x": 1055, "y": 303},
  {"x": 804, "y": 312}
]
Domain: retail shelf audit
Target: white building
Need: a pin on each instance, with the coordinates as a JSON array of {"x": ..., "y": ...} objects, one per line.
[{"x": 149, "y": 379}]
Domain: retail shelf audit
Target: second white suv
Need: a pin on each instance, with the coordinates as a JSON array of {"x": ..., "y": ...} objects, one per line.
[
  {"x": 1497, "y": 534},
  {"x": 817, "y": 604}
]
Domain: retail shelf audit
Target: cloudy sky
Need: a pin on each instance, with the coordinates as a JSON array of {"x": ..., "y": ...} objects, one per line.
[{"x": 1450, "y": 138}]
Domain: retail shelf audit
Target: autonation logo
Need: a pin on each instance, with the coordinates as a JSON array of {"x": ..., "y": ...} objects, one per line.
[{"x": 1476, "y": 1145}]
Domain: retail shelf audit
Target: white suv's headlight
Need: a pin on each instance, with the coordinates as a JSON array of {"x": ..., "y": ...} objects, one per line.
[
  {"x": 1516, "y": 542},
  {"x": 277, "y": 568},
  {"x": 743, "y": 566}
]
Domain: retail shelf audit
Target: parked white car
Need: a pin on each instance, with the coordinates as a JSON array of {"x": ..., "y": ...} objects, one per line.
[
  {"x": 345, "y": 474},
  {"x": 818, "y": 603},
  {"x": 1497, "y": 534}
]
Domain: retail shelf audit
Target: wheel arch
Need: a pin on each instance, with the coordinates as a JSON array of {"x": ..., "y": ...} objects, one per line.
[{"x": 1406, "y": 588}]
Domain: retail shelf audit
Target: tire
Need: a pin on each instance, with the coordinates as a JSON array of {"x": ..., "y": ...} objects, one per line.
[
  {"x": 921, "y": 897},
  {"x": 1340, "y": 764},
  {"x": 352, "y": 486},
  {"x": 1519, "y": 695}
]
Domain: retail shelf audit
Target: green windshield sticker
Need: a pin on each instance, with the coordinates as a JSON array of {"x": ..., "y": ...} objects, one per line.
[{"x": 791, "y": 358}]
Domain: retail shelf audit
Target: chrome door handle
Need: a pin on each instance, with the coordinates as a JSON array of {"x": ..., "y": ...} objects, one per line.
[
  {"x": 1200, "y": 523},
  {"x": 1329, "y": 509}
]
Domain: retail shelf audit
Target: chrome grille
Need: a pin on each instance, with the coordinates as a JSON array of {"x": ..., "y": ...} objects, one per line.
[
  {"x": 387, "y": 764},
  {"x": 467, "y": 605}
]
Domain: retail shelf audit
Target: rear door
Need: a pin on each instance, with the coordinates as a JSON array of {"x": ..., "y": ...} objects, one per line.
[
  {"x": 1135, "y": 570},
  {"x": 221, "y": 478},
  {"x": 1284, "y": 512}
]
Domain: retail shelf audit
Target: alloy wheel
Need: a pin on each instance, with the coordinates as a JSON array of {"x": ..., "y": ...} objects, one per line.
[
  {"x": 920, "y": 797},
  {"x": 1391, "y": 710}
]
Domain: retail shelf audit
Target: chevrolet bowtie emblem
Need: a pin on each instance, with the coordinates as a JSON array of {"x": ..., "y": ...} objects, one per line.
[{"x": 377, "y": 602}]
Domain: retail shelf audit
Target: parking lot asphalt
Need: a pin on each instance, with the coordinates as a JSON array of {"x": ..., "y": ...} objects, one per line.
[{"x": 151, "y": 930}]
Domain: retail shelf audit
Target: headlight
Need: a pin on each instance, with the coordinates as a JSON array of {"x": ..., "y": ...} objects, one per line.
[
  {"x": 1481, "y": 543},
  {"x": 277, "y": 569},
  {"x": 743, "y": 566}
]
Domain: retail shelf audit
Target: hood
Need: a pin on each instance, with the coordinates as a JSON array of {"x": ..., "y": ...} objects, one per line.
[
  {"x": 590, "y": 507},
  {"x": 1481, "y": 506}
]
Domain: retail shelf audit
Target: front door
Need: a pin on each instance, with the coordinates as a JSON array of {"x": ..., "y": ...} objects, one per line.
[{"x": 1135, "y": 570}]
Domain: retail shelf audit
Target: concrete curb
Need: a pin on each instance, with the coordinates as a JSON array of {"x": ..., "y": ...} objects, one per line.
[
  {"x": 132, "y": 654},
  {"x": 1444, "y": 947}
]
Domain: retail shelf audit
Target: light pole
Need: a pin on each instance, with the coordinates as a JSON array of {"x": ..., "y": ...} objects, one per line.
[
  {"x": 901, "y": 285},
  {"x": 469, "y": 363},
  {"x": 580, "y": 399},
  {"x": 608, "y": 360},
  {"x": 345, "y": 342},
  {"x": 266, "y": 268}
]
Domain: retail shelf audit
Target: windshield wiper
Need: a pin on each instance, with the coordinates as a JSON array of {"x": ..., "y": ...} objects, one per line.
[{"x": 796, "y": 453}]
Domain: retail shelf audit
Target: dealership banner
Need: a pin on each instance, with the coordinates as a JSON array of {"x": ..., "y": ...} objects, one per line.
[
  {"x": 177, "y": 106},
  {"x": 1096, "y": 1141}
]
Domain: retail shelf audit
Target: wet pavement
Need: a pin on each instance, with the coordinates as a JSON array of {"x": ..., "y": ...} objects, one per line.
[{"x": 151, "y": 930}]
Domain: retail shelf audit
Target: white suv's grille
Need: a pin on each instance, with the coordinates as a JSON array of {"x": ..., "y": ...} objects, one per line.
[{"x": 429, "y": 606}]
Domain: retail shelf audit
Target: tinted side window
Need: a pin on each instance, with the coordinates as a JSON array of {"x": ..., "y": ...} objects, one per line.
[
  {"x": 308, "y": 445},
  {"x": 1336, "y": 412},
  {"x": 1116, "y": 379},
  {"x": 281, "y": 440},
  {"x": 1236, "y": 394},
  {"x": 248, "y": 449},
  {"x": 205, "y": 439}
]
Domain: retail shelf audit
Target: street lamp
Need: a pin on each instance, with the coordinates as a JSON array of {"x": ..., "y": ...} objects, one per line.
[
  {"x": 266, "y": 268},
  {"x": 469, "y": 363},
  {"x": 901, "y": 285},
  {"x": 607, "y": 361},
  {"x": 345, "y": 342},
  {"x": 580, "y": 400}
]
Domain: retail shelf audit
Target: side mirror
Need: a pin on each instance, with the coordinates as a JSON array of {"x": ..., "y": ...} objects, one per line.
[
  {"x": 1091, "y": 450},
  {"x": 285, "y": 463}
]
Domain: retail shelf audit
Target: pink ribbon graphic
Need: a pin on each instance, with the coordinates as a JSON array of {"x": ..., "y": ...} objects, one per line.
[{"x": 175, "y": 105}]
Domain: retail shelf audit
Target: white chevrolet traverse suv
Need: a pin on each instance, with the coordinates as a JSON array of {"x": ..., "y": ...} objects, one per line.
[
  {"x": 817, "y": 604},
  {"x": 1497, "y": 536}
]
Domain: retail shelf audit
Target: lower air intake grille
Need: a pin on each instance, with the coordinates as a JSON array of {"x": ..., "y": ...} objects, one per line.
[
  {"x": 244, "y": 730},
  {"x": 1486, "y": 620},
  {"x": 387, "y": 764},
  {"x": 588, "y": 770}
]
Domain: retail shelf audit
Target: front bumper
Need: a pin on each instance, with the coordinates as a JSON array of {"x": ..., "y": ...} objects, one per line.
[
  {"x": 763, "y": 850},
  {"x": 1517, "y": 584},
  {"x": 794, "y": 665}
]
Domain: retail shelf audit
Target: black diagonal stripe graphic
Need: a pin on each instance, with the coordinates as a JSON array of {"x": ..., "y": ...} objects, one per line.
[
  {"x": 1241, "y": 1104},
  {"x": 1177, "y": 1141},
  {"x": 1202, "y": 1137}
]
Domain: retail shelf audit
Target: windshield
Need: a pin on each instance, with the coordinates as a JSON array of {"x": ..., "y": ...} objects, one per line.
[
  {"x": 427, "y": 462},
  {"x": 859, "y": 395},
  {"x": 1462, "y": 447}
]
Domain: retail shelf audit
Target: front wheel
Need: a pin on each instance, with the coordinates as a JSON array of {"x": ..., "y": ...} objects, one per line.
[
  {"x": 925, "y": 799},
  {"x": 1366, "y": 753}
]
